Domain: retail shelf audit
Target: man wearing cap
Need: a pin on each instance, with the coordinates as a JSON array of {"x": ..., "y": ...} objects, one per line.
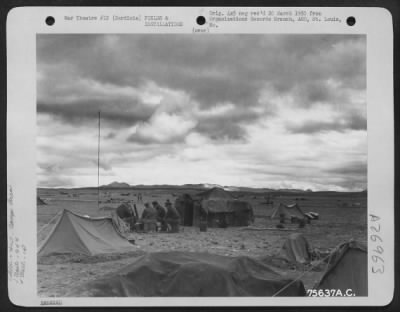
[
  {"x": 172, "y": 217},
  {"x": 149, "y": 218},
  {"x": 160, "y": 215}
]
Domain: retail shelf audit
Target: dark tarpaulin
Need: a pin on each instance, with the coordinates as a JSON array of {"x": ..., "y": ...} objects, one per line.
[
  {"x": 296, "y": 249},
  {"x": 185, "y": 274}
]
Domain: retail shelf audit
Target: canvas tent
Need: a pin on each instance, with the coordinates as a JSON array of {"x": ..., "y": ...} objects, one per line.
[
  {"x": 230, "y": 212},
  {"x": 218, "y": 206},
  {"x": 122, "y": 226},
  {"x": 347, "y": 269},
  {"x": 288, "y": 211},
  {"x": 185, "y": 274},
  {"x": 74, "y": 233},
  {"x": 296, "y": 249},
  {"x": 214, "y": 193}
]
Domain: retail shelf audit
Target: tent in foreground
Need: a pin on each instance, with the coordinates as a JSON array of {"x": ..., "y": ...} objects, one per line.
[
  {"x": 288, "y": 211},
  {"x": 74, "y": 233},
  {"x": 185, "y": 274},
  {"x": 347, "y": 269},
  {"x": 296, "y": 249}
]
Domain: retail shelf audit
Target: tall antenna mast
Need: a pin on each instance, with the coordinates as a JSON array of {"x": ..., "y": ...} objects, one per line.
[{"x": 98, "y": 168}]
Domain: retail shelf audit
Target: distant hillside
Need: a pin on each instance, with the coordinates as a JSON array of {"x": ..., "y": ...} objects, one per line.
[
  {"x": 116, "y": 184},
  {"x": 206, "y": 186}
]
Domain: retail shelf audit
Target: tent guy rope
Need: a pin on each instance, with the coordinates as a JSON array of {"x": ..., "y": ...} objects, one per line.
[
  {"x": 301, "y": 275},
  {"x": 51, "y": 220}
]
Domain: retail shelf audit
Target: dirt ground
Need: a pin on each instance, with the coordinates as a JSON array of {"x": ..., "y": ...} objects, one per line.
[{"x": 339, "y": 222}]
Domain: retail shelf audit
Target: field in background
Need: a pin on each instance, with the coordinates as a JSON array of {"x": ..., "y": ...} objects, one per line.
[{"x": 343, "y": 216}]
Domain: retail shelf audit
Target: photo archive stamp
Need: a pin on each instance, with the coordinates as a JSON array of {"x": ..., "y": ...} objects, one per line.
[{"x": 181, "y": 156}]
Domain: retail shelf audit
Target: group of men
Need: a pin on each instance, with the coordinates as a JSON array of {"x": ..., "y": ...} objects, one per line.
[{"x": 156, "y": 214}]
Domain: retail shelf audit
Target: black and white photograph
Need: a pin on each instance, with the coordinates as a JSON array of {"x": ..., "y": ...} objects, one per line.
[{"x": 220, "y": 165}]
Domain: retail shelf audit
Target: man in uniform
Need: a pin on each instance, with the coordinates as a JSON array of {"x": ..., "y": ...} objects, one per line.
[
  {"x": 149, "y": 218},
  {"x": 172, "y": 217},
  {"x": 160, "y": 215}
]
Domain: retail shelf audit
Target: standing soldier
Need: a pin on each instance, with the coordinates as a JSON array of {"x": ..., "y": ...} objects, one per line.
[
  {"x": 281, "y": 218},
  {"x": 160, "y": 215},
  {"x": 172, "y": 217},
  {"x": 203, "y": 215},
  {"x": 149, "y": 218}
]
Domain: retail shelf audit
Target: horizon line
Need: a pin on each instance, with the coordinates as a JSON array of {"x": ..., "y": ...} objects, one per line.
[{"x": 199, "y": 186}]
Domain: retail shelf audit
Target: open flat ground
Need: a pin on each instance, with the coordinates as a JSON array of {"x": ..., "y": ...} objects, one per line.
[{"x": 343, "y": 216}]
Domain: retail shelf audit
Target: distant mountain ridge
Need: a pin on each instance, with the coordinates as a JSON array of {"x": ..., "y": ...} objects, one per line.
[
  {"x": 199, "y": 186},
  {"x": 116, "y": 184}
]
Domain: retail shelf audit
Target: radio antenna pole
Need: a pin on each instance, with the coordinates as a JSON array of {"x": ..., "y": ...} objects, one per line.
[{"x": 98, "y": 168}]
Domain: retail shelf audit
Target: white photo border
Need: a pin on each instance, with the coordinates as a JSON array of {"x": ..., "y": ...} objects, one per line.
[{"x": 24, "y": 23}]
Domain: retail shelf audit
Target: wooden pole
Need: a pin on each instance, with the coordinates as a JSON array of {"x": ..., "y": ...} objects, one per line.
[{"x": 98, "y": 167}]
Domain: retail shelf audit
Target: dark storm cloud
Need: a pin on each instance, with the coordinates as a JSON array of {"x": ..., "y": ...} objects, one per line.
[
  {"x": 227, "y": 126},
  {"x": 201, "y": 67},
  {"x": 352, "y": 168},
  {"x": 111, "y": 135},
  {"x": 56, "y": 181},
  {"x": 187, "y": 95},
  {"x": 211, "y": 69},
  {"x": 349, "y": 122},
  {"x": 359, "y": 183},
  {"x": 50, "y": 168},
  {"x": 357, "y": 122},
  {"x": 150, "y": 140},
  {"x": 221, "y": 128},
  {"x": 311, "y": 92},
  {"x": 229, "y": 68},
  {"x": 116, "y": 113},
  {"x": 103, "y": 165}
]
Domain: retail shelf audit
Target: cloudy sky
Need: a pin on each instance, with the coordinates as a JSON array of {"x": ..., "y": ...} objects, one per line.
[{"x": 279, "y": 111}]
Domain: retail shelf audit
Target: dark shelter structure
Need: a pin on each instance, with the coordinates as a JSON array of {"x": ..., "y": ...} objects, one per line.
[
  {"x": 216, "y": 207},
  {"x": 185, "y": 274},
  {"x": 215, "y": 192},
  {"x": 296, "y": 249},
  {"x": 224, "y": 213},
  {"x": 185, "y": 206}
]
